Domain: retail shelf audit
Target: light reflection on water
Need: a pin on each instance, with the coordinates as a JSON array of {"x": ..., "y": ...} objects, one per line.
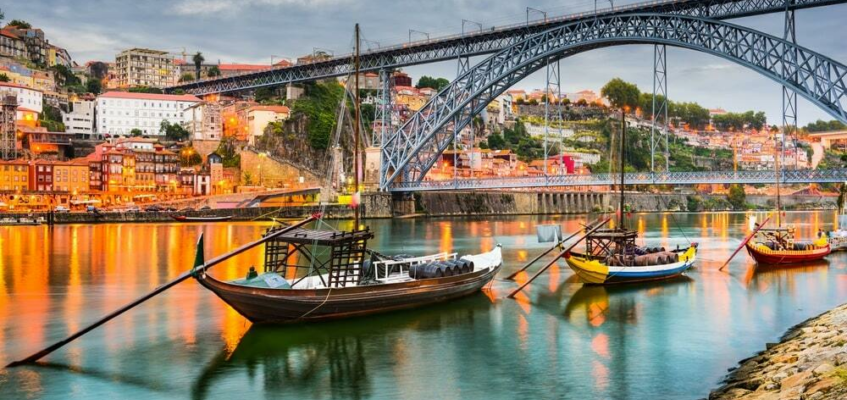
[{"x": 558, "y": 338}]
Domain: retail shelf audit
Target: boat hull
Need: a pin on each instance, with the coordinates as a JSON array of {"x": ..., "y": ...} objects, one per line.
[
  {"x": 279, "y": 306},
  {"x": 786, "y": 257},
  {"x": 182, "y": 218},
  {"x": 595, "y": 272}
]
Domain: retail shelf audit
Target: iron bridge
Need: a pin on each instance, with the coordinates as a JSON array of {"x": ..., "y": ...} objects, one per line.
[
  {"x": 410, "y": 152},
  {"x": 636, "y": 178},
  {"x": 483, "y": 41}
]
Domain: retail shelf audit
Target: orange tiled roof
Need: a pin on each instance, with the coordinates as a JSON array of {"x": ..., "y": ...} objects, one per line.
[
  {"x": 150, "y": 96},
  {"x": 276, "y": 109}
]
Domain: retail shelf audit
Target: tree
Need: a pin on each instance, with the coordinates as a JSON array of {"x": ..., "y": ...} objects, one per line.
[
  {"x": 4, "y": 78},
  {"x": 94, "y": 86},
  {"x": 737, "y": 197},
  {"x": 825, "y": 126},
  {"x": 98, "y": 70},
  {"x": 213, "y": 71},
  {"x": 174, "y": 132},
  {"x": 64, "y": 76},
  {"x": 188, "y": 157},
  {"x": 2, "y": 16},
  {"x": 496, "y": 142},
  {"x": 186, "y": 77},
  {"x": 248, "y": 178},
  {"x": 229, "y": 156},
  {"x": 198, "y": 61},
  {"x": 135, "y": 132},
  {"x": 145, "y": 89},
  {"x": 20, "y": 24},
  {"x": 582, "y": 103},
  {"x": 621, "y": 94},
  {"x": 434, "y": 83}
]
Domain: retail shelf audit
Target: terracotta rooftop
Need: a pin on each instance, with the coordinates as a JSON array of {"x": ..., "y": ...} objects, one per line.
[
  {"x": 276, "y": 109},
  {"x": 149, "y": 96}
]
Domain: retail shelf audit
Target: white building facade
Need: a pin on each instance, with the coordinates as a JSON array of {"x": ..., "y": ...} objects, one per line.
[
  {"x": 118, "y": 113},
  {"x": 30, "y": 99},
  {"x": 80, "y": 121}
]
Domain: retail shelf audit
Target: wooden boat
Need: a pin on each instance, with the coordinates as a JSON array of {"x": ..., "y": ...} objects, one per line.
[
  {"x": 183, "y": 218},
  {"x": 605, "y": 262},
  {"x": 777, "y": 247},
  {"x": 838, "y": 237},
  {"x": 347, "y": 284},
  {"x": 611, "y": 255},
  {"x": 22, "y": 221}
]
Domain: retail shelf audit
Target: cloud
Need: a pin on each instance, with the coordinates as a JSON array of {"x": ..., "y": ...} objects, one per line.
[{"x": 211, "y": 7}]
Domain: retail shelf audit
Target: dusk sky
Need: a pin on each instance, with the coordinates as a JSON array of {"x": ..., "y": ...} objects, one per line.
[{"x": 251, "y": 31}]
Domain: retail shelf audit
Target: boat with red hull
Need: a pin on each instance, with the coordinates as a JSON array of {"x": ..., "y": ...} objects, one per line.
[{"x": 777, "y": 247}]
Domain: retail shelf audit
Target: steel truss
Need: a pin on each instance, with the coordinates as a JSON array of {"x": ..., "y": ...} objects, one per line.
[
  {"x": 481, "y": 42},
  {"x": 645, "y": 178},
  {"x": 789, "y": 98},
  {"x": 413, "y": 149},
  {"x": 660, "y": 106}
]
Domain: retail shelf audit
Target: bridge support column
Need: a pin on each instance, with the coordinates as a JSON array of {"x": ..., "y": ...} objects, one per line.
[
  {"x": 660, "y": 105},
  {"x": 553, "y": 89},
  {"x": 789, "y": 97}
]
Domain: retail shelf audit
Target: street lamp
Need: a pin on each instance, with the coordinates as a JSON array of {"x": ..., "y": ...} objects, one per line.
[{"x": 411, "y": 31}]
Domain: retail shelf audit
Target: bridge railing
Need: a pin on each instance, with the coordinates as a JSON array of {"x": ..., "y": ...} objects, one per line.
[{"x": 634, "y": 178}]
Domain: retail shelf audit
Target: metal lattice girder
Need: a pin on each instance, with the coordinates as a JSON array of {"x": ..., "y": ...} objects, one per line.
[
  {"x": 413, "y": 149},
  {"x": 645, "y": 178},
  {"x": 480, "y": 42},
  {"x": 660, "y": 106}
]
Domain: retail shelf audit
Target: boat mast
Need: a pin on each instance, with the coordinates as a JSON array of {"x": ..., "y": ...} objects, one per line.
[
  {"x": 778, "y": 199},
  {"x": 623, "y": 149},
  {"x": 356, "y": 134}
]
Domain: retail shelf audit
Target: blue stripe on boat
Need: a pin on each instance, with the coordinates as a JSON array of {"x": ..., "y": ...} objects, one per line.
[{"x": 634, "y": 275}]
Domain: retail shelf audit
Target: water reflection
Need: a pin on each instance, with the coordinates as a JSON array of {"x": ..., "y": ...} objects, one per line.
[
  {"x": 331, "y": 359},
  {"x": 559, "y": 338},
  {"x": 596, "y": 304}
]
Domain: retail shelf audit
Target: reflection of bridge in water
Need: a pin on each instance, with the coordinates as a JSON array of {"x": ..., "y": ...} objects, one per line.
[{"x": 409, "y": 151}]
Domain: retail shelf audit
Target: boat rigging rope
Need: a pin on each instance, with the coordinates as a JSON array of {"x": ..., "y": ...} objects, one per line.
[{"x": 342, "y": 110}]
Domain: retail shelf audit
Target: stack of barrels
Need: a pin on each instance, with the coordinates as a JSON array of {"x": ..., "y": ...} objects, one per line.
[
  {"x": 440, "y": 269},
  {"x": 643, "y": 257}
]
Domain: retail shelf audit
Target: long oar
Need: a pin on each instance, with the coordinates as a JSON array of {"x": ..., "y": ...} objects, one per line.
[
  {"x": 744, "y": 243},
  {"x": 534, "y": 260},
  {"x": 199, "y": 266},
  {"x": 541, "y": 271}
]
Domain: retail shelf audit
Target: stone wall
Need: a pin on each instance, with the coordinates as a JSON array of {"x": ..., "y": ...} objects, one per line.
[
  {"x": 270, "y": 172},
  {"x": 507, "y": 203}
]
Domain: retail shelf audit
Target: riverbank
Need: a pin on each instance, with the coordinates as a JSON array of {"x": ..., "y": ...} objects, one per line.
[{"x": 809, "y": 362}]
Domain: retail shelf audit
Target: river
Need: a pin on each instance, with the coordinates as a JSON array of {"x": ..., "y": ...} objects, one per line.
[{"x": 557, "y": 340}]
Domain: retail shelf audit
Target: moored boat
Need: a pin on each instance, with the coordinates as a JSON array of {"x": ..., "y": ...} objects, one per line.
[
  {"x": 347, "y": 284},
  {"x": 22, "y": 221},
  {"x": 183, "y": 218},
  {"x": 611, "y": 256},
  {"x": 777, "y": 247}
]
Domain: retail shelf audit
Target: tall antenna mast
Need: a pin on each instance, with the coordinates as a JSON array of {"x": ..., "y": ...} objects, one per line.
[{"x": 356, "y": 134}]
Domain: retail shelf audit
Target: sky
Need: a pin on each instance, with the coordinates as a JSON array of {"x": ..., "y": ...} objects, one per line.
[{"x": 254, "y": 31}]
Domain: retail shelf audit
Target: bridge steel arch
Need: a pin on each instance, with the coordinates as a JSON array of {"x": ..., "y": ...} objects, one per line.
[{"x": 412, "y": 150}]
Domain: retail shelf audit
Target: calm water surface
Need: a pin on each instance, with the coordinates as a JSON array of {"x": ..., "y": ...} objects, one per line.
[{"x": 558, "y": 340}]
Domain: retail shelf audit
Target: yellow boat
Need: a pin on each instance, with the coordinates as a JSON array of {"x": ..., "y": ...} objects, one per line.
[{"x": 611, "y": 256}]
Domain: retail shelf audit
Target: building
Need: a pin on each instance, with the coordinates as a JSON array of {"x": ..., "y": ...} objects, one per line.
[
  {"x": 8, "y": 130},
  {"x": 258, "y": 118},
  {"x": 14, "y": 176},
  {"x": 41, "y": 176},
  {"x": 28, "y": 98},
  {"x": 11, "y": 45},
  {"x": 409, "y": 97},
  {"x": 118, "y": 113},
  {"x": 80, "y": 120},
  {"x": 204, "y": 121},
  {"x": 401, "y": 79},
  {"x": 145, "y": 67},
  {"x": 71, "y": 176},
  {"x": 589, "y": 96}
]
